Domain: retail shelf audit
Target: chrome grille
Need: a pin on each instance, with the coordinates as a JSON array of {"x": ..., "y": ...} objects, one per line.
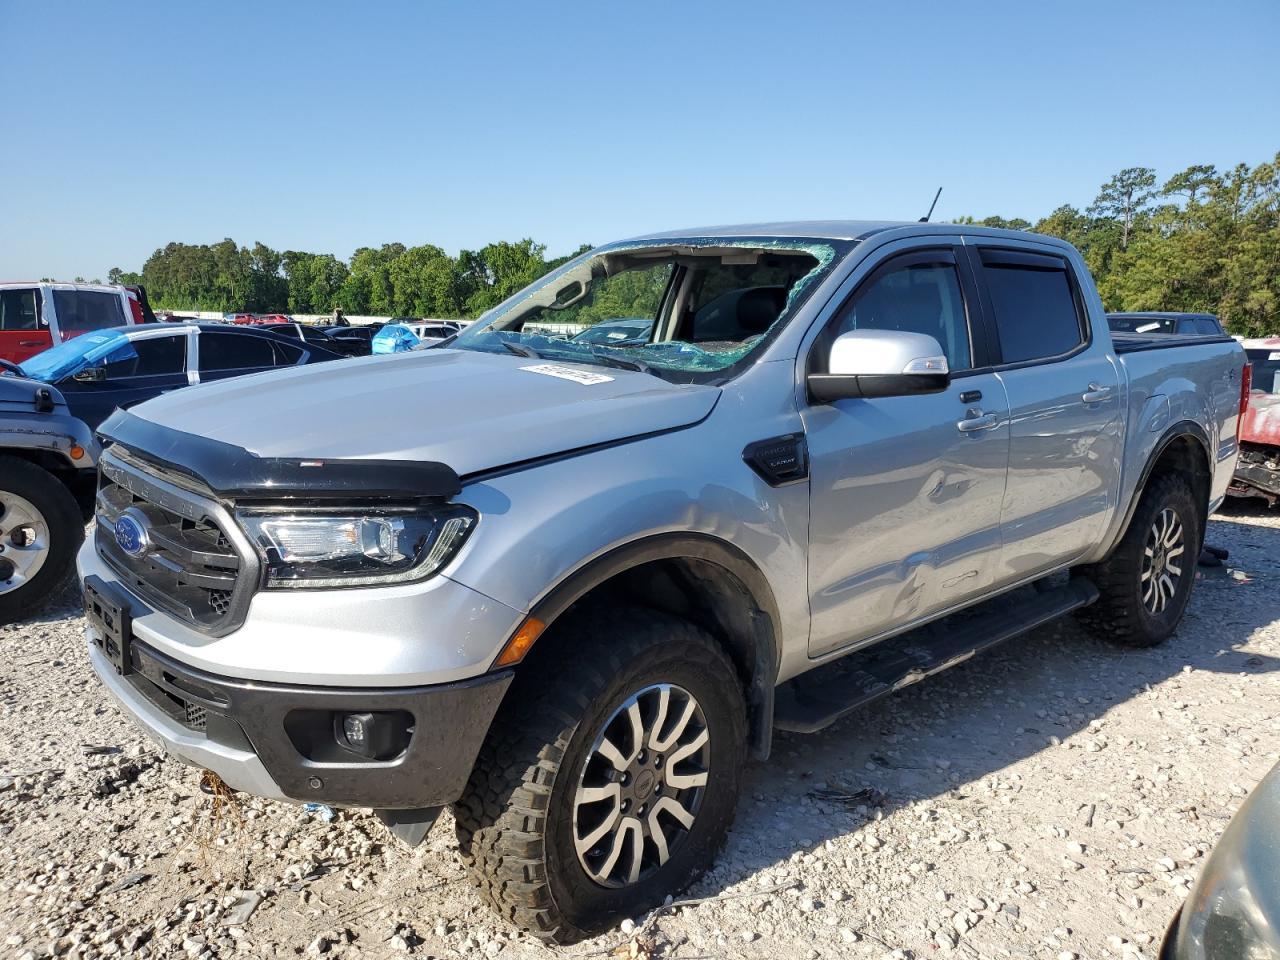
[{"x": 191, "y": 567}]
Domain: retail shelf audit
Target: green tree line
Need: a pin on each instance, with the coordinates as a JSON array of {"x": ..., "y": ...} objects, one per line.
[
  {"x": 391, "y": 280},
  {"x": 1203, "y": 240}
]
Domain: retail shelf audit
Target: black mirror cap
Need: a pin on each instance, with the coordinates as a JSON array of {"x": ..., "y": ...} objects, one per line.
[{"x": 828, "y": 387}]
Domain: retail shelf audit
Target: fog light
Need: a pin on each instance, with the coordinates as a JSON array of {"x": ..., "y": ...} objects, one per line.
[{"x": 378, "y": 736}]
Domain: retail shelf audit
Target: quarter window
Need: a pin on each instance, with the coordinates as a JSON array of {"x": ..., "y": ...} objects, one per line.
[
  {"x": 1035, "y": 308},
  {"x": 916, "y": 298}
]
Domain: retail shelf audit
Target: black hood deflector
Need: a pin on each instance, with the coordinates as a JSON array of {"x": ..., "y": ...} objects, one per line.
[{"x": 235, "y": 473}]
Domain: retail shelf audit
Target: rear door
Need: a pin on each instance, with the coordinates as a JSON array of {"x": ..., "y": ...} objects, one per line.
[
  {"x": 905, "y": 491},
  {"x": 1063, "y": 388},
  {"x": 23, "y": 329}
]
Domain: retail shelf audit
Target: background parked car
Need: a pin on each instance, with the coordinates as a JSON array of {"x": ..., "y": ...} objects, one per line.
[
  {"x": 127, "y": 365},
  {"x": 1187, "y": 324},
  {"x": 49, "y": 407},
  {"x": 314, "y": 335},
  {"x": 36, "y": 316},
  {"x": 359, "y": 338},
  {"x": 394, "y": 338},
  {"x": 629, "y": 330},
  {"x": 434, "y": 329}
]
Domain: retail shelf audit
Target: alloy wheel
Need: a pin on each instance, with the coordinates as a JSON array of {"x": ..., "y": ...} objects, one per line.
[
  {"x": 1162, "y": 561},
  {"x": 641, "y": 786},
  {"x": 24, "y": 541}
]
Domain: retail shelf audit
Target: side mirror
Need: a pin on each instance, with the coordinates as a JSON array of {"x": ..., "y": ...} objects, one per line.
[
  {"x": 91, "y": 375},
  {"x": 881, "y": 363}
]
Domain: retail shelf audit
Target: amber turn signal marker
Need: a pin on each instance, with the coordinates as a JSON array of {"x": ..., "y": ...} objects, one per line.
[
  {"x": 519, "y": 644},
  {"x": 76, "y": 451}
]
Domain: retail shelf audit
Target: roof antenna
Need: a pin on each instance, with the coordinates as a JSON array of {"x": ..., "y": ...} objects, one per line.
[{"x": 925, "y": 218}]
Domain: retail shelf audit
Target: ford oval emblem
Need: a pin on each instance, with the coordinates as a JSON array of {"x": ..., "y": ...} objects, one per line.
[{"x": 131, "y": 533}]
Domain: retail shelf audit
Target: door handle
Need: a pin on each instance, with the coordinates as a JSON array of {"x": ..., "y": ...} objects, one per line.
[
  {"x": 31, "y": 343},
  {"x": 1096, "y": 394},
  {"x": 979, "y": 421}
]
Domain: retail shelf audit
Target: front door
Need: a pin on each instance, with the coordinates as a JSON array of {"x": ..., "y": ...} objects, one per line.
[
  {"x": 906, "y": 491},
  {"x": 23, "y": 330},
  {"x": 158, "y": 365}
]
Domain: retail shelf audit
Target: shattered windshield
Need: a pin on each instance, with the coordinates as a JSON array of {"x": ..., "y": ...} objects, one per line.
[
  {"x": 67, "y": 359},
  {"x": 684, "y": 310}
]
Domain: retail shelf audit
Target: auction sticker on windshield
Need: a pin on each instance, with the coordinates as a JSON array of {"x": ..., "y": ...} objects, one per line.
[{"x": 568, "y": 373}]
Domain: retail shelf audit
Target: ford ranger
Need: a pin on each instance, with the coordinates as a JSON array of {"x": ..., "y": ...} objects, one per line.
[{"x": 573, "y": 607}]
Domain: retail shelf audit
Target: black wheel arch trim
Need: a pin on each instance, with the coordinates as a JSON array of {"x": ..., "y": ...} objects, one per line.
[
  {"x": 1183, "y": 428},
  {"x": 765, "y": 640}
]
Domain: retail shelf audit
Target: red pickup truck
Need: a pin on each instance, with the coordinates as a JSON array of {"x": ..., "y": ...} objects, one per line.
[
  {"x": 1258, "y": 472},
  {"x": 35, "y": 316}
]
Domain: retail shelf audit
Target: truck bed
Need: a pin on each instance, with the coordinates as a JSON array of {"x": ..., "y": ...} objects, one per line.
[{"x": 1136, "y": 342}]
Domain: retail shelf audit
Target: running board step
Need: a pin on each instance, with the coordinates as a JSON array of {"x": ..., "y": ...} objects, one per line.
[{"x": 822, "y": 696}]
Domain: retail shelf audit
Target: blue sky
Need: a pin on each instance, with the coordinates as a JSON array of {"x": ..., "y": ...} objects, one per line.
[{"x": 326, "y": 126}]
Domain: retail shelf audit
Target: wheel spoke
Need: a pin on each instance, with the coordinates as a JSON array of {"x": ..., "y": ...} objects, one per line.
[
  {"x": 637, "y": 730},
  {"x": 628, "y": 825},
  {"x": 686, "y": 781},
  {"x": 637, "y": 850},
  {"x": 596, "y": 794},
  {"x": 657, "y": 836},
  {"x": 611, "y": 753},
  {"x": 660, "y": 719},
  {"x": 585, "y": 844},
  {"x": 690, "y": 708},
  {"x": 689, "y": 749},
  {"x": 672, "y": 806},
  {"x": 17, "y": 514}
]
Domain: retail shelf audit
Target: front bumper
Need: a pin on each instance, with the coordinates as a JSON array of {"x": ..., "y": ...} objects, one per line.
[{"x": 266, "y": 738}]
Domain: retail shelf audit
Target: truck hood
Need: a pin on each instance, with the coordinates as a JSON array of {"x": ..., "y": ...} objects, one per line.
[
  {"x": 19, "y": 393},
  {"x": 472, "y": 411}
]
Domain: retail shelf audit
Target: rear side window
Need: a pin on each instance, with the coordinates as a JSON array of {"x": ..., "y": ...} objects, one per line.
[
  {"x": 286, "y": 354},
  {"x": 1207, "y": 327},
  {"x": 154, "y": 357},
  {"x": 81, "y": 310},
  {"x": 230, "y": 351},
  {"x": 18, "y": 310},
  {"x": 1034, "y": 304}
]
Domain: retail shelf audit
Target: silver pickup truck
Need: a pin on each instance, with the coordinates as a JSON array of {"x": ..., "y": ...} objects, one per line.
[{"x": 569, "y": 588}]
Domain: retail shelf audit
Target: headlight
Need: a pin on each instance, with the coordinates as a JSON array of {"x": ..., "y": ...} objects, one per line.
[{"x": 357, "y": 549}]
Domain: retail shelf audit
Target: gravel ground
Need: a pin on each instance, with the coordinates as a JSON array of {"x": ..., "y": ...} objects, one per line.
[{"x": 1054, "y": 798}]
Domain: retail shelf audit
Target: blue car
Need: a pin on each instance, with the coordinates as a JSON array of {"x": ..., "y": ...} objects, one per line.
[{"x": 122, "y": 366}]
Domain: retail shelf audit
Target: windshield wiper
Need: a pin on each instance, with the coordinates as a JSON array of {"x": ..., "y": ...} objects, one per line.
[
  {"x": 520, "y": 350},
  {"x": 626, "y": 363}
]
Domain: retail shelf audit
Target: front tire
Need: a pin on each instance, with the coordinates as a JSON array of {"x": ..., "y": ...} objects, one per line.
[
  {"x": 1145, "y": 584},
  {"x": 610, "y": 777},
  {"x": 40, "y": 532}
]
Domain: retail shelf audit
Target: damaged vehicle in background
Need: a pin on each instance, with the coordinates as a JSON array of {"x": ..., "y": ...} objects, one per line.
[
  {"x": 1258, "y": 472},
  {"x": 575, "y": 605},
  {"x": 1233, "y": 911},
  {"x": 37, "y": 316},
  {"x": 49, "y": 407}
]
